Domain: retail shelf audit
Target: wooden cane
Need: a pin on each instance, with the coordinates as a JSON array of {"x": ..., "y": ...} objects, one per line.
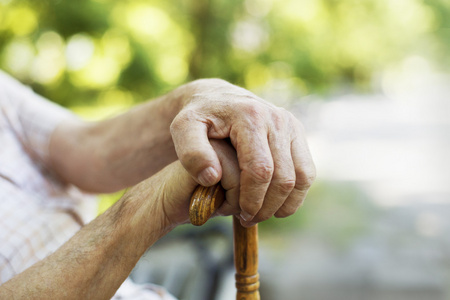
[{"x": 204, "y": 202}]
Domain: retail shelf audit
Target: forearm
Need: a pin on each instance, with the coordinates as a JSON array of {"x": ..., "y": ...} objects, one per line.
[
  {"x": 119, "y": 152},
  {"x": 95, "y": 262}
]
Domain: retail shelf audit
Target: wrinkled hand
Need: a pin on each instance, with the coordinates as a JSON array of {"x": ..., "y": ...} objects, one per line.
[
  {"x": 276, "y": 168},
  {"x": 170, "y": 190}
]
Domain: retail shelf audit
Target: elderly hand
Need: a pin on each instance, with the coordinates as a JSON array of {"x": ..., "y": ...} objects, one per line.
[
  {"x": 275, "y": 165},
  {"x": 276, "y": 168},
  {"x": 100, "y": 256},
  {"x": 171, "y": 188},
  {"x": 176, "y": 187}
]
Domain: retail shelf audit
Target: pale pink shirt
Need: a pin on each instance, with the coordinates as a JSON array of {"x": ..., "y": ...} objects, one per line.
[{"x": 37, "y": 212}]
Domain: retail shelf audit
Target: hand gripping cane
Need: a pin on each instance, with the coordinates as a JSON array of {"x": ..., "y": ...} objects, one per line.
[{"x": 204, "y": 202}]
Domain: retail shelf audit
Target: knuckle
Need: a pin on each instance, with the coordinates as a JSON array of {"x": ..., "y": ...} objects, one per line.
[
  {"x": 286, "y": 185},
  {"x": 179, "y": 122},
  {"x": 278, "y": 122},
  {"x": 251, "y": 109},
  {"x": 175, "y": 125},
  {"x": 305, "y": 181},
  {"x": 287, "y": 115},
  {"x": 280, "y": 114},
  {"x": 260, "y": 171},
  {"x": 310, "y": 179}
]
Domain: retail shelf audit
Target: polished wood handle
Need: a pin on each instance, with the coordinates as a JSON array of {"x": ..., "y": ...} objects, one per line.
[{"x": 204, "y": 202}]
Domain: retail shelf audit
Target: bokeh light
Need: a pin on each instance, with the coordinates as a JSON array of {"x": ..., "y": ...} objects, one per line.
[{"x": 369, "y": 79}]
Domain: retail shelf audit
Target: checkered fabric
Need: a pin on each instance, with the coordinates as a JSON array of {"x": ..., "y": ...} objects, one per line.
[{"x": 38, "y": 213}]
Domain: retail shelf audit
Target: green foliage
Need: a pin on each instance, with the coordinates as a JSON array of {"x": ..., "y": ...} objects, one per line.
[
  {"x": 89, "y": 53},
  {"x": 99, "y": 57}
]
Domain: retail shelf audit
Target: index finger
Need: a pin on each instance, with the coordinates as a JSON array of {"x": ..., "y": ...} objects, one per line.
[{"x": 190, "y": 138}]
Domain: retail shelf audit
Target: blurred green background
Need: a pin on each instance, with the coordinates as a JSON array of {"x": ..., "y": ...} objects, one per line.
[{"x": 100, "y": 56}]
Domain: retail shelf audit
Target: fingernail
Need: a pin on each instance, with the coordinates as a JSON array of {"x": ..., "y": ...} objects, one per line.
[
  {"x": 246, "y": 216},
  {"x": 208, "y": 176}
]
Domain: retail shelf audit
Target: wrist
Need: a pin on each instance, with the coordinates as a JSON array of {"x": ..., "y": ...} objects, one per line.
[{"x": 142, "y": 206}]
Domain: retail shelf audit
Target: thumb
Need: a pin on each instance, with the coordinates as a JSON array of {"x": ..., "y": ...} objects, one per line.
[
  {"x": 190, "y": 137},
  {"x": 176, "y": 187}
]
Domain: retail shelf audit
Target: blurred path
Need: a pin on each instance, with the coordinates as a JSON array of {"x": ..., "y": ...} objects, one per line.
[{"x": 395, "y": 146}]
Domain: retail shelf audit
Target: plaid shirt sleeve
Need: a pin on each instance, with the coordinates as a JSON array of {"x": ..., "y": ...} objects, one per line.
[
  {"x": 37, "y": 212},
  {"x": 32, "y": 117}
]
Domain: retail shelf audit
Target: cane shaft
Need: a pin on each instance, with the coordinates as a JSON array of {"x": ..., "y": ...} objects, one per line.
[
  {"x": 246, "y": 261},
  {"x": 204, "y": 202}
]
